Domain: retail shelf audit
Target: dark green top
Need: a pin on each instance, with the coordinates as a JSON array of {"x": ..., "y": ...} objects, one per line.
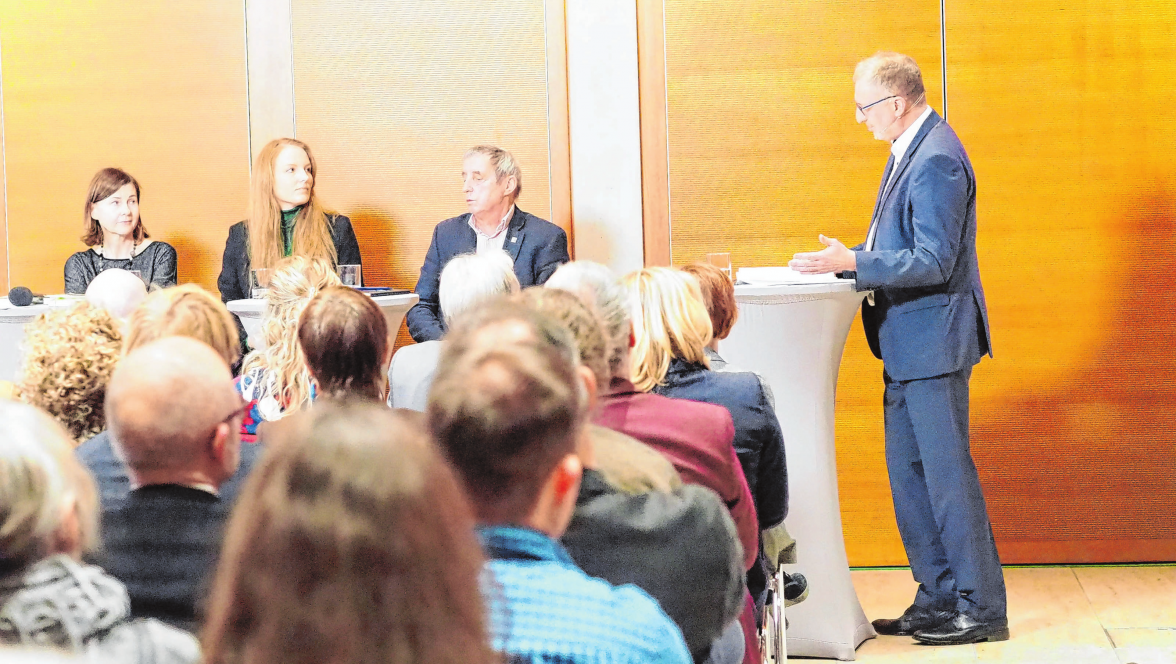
[{"x": 288, "y": 218}]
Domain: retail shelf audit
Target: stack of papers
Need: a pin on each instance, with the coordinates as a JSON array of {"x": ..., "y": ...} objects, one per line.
[{"x": 780, "y": 276}]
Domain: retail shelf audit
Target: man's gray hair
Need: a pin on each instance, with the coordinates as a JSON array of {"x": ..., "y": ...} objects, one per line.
[
  {"x": 504, "y": 163},
  {"x": 469, "y": 279},
  {"x": 602, "y": 291},
  {"x": 895, "y": 72}
]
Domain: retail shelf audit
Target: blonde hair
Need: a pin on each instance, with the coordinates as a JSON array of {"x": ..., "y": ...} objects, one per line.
[
  {"x": 294, "y": 282},
  {"x": 669, "y": 321},
  {"x": 312, "y": 230},
  {"x": 184, "y": 311},
  {"x": 894, "y": 72},
  {"x": 69, "y": 357},
  {"x": 39, "y": 475}
]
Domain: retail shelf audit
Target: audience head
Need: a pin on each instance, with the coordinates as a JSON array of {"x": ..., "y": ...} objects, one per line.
[
  {"x": 469, "y": 279},
  {"x": 718, "y": 295},
  {"x": 351, "y": 542},
  {"x": 283, "y": 179},
  {"x": 491, "y": 178},
  {"x": 293, "y": 283},
  {"x": 891, "y": 86},
  {"x": 600, "y": 289},
  {"x": 508, "y": 406},
  {"x": 174, "y": 414},
  {"x": 69, "y": 355},
  {"x": 582, "y": 322},
  {"x": 344, "y": 337},
  {"x": 112, "y": 207},
  {"x": 48, "y": 503},
  {"x": 117, "y": 291},
  {"x": 669, "y": 321},
  {"x": 184, "y": 311}
]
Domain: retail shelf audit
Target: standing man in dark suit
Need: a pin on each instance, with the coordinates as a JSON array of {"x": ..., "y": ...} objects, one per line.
[
  {"x": 492, "y": 183},
  {"x": 928, "y": 324}
]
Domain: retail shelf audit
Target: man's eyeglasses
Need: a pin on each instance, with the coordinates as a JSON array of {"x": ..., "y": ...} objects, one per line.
[{"x": 862, "y": 109}]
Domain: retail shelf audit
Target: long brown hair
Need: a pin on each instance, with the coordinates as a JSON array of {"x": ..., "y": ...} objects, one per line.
[
  {"x": 312, "y": 230},
  {"x": 351, "y": 543},
  {"x": 105, "y": 183},
  {"x": 344, "y": 337}
]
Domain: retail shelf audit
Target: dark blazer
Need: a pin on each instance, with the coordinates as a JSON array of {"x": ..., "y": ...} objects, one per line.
[
  {"x": 679, "y": 547},
  {"x": 929, "y": 316},
  {"x": 110, "y": 473},
  {"x": 697, "y": 438},
  {"x": 234, "y": 276},
  {"x": 537, "y": 247},
  {"x": 163, "y": 543}
]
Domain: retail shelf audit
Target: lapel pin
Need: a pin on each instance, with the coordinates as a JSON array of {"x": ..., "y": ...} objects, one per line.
[{"x": 513, "y": 239}]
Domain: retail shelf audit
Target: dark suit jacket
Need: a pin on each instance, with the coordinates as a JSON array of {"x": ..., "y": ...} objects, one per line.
[
  {"x": 537, "y": 247},
  {"x": 697, "y": 438},
  {"x": 163, "y": 543},
  {"x": 929, "y": 316},
  {"x": 679, "y": 547},
  {"x": 234, "y": 276}
]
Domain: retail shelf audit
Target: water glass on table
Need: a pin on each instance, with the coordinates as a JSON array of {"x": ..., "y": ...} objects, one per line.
[
  {"x": 259, "y": 283},
  {"x": 721, "y": 261},
  {"x": 351, "y": 275}
]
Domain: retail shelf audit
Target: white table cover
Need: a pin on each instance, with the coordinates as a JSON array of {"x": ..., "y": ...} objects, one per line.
[
  {"x": 250, "y": 312},
  {"x": 794, "y": 336},
  {"x": 12, "y": 326}
]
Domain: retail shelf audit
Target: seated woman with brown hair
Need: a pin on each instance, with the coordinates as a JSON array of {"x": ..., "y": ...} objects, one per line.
[
  {"x": 116, "y": 236},
  {"x": 274, "y": 379},
  {"x": 352, "y": 543},
  {"x": 344, "y": 337},
  {"x": 48, "y": 520},
  {"x": 69, "y": 356}
]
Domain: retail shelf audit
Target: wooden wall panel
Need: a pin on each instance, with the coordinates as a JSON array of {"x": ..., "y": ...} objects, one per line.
[
  {"x": 764, "y": 154},
  {"x": 154, "y": 87},
  {"x": 391, "y": 95},
  {"x": 1065, "y": 109}
]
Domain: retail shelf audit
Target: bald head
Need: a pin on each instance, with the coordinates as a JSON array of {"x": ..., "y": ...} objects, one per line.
[
  {"x": 167, "y": 405},
  {"x": 117, "y": 291}
]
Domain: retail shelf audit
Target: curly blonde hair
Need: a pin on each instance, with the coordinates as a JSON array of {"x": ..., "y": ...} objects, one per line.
[
  {"x": 295, "y": 280},
  {"x": 69, "y": 356}
]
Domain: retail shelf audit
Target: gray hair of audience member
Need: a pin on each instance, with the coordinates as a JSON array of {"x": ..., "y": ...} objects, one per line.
[
  {"x": 895, "y": 72},
  {"x": 507, "y": 405},
  {"x": 117, "y": 291},
  {"x": 469, "y": 279},
  {"x": 28, "y": 655},
  {"x": 504, "y": 163},
  {"x": 166, "y": 400},
  {"x": 43, "y": 489},
  {"x": 600, "y": 289}
]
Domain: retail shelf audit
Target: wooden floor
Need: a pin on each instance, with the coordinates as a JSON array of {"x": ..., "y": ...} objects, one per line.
[{"x": 1057, "y": 615}]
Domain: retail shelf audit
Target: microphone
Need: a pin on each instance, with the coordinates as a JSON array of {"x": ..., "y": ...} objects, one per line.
[{"x": 23, "y": 297}]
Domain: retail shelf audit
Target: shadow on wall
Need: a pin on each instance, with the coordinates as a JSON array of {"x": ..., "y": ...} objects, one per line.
[
  {"x": 379, "y": 234},
  {"x": 592, "y": 242},
  {"x": 194, "y": 258},
  {"x": 1102, "y": 442}
]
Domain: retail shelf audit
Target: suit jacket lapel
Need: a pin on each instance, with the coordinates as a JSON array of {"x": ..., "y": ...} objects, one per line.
[
  {"x": 882, "y": 188},
  {"x": 468, "y": 242},
  {"x": 514, "y": 234},
  {"x": 928, "y": 125}
]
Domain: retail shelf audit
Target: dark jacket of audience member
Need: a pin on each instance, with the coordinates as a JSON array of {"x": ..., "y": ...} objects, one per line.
[
  {"x": 536, "y": 246},
  {"x": 679, "y": 547}
]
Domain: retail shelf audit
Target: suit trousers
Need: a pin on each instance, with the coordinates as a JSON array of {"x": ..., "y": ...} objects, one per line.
[{"x": 938, "y": 502}]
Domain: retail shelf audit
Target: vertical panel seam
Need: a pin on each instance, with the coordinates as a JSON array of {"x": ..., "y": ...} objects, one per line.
[
  {"x": 293, "y": 98},
  {"x": 666, "y": 92},
  {"x": 248, "y": 96},
  {"x": 4, "y": 177},
  {"x": 943, "y": 51}
]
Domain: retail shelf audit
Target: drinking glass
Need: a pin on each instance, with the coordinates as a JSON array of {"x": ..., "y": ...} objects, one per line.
[
  {"x": 351, "y": 275},
  {"x": 259, "y": 283},
  {"x": 721, "y": 261}
]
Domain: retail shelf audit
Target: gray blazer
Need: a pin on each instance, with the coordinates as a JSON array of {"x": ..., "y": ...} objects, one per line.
[{"x": 929, "y": 316}]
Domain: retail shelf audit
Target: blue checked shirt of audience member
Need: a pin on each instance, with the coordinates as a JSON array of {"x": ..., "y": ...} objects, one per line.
[{"x": 543, "y": 608}]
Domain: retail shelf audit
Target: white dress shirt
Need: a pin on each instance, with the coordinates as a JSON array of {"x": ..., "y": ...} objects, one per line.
[
  {"x": 898, "y": 148},
  {"x": 495, "y": 240}
]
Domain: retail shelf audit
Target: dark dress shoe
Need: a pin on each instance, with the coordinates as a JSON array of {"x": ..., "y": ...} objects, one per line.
[
  {"x": 912, "y": 620},
  {"x": 962, "y": 629}
]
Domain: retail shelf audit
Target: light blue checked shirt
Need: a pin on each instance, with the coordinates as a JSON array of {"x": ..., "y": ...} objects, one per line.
[{"x": 545, "y": 609}]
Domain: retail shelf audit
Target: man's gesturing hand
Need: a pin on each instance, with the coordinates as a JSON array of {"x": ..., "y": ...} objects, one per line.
[{"x": 835, "y": 257}]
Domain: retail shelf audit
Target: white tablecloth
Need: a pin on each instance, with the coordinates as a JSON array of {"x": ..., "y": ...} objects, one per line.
[
  {"x": 794, "y": 336},
  {"x": 12, "y": 326},
  {"x": 250, "y": 312}
]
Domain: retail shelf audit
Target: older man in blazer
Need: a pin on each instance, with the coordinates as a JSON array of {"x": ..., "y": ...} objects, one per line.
[
  {"x": 492, "y": 182},
  {"x": 928, "y": 324}
]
